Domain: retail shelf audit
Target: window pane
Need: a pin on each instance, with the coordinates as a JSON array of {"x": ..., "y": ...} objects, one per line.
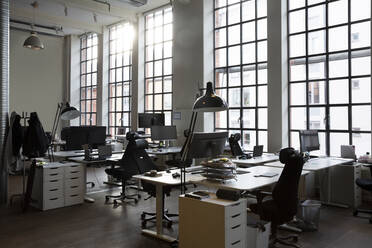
[
  {"x": 249, "y": 118},
  {"x": 361, "y": 118},
  {"x": 362, "y": 142},
  {"x": 297, "y": 21},
  {"x": 316, "y": 116},
  {"x": 338, "y": 38},
  {"x": 361, "y": 35},
  {"x": 298, "y": 45},
  {"x": 298, "y": 118},
  {"x": 249, "y": 96},
  {"x": 337, "y": 12},
  {"x": 234, "y": 55},
  {"x": 249, "y": 140},
  {"x": 338, "y": 139},
  {"x": 360, "y": 9},
  {"x": 338, "y": 91},
  {"x": 361, "y": 90},
  {"x": 234, "y": 118},
  {"x": 234, "y": 97},
  {"x": 338, "y": 118},
  {"x": 297, "y": 94},
  {"x": 316, "y": 17}
]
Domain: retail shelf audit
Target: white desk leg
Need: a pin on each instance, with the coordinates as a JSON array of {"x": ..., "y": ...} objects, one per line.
[{"x": 159, "y": 218}]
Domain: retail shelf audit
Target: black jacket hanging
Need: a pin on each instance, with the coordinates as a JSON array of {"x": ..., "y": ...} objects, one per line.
[
  {"x": 35, "y": 140},
  {"x": 17, "y": 135}
]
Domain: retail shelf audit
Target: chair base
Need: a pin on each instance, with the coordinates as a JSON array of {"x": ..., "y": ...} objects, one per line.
[
  {"x": 366, "y": 211},
  {"x": 283, "y": 241},
  {"x": 122, "y": 198},
  {"x": 166, "y": 217}
]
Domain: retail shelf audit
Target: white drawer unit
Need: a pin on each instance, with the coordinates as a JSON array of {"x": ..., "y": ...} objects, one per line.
[
  {"x": 212, "y": 222},
  {"x": 58, "y": 185}
]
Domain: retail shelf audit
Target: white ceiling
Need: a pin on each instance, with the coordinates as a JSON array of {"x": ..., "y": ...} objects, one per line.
[{"x": 80, "y": 13}]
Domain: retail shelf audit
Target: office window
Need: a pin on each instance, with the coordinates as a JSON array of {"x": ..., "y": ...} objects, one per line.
[
  {"x": 330, "y": 72},
  {"x": 240, "y": 67},
  {"x": 120, "y": 76},
  {"x": 88, "y": 79},
  {"x": 158, "y": 62}
]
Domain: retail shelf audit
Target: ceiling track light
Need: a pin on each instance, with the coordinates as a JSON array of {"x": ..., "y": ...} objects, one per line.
[{"x": 33, "y": 42}]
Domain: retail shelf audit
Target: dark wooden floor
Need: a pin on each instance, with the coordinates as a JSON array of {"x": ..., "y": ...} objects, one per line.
[{"x": 100, "y": 225}]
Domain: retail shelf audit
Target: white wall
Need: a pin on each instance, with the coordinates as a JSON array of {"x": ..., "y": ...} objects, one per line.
[{"x": 36, "y": 77}]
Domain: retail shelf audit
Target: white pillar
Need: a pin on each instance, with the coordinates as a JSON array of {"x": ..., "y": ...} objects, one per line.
[{"x": 277, "y": 75}]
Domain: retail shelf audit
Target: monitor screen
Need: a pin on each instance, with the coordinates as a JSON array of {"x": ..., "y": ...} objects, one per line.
[
  {"x": 163, "y": 133},
  {"x": 76, "y": 136},
  {"x": 309, "y": 140},
  {"x": 147, "y": 120},
  {"x": 207, "y": 145}
]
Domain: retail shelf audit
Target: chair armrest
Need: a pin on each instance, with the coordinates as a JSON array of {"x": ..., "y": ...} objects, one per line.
[{"x": 260, "y": 195}]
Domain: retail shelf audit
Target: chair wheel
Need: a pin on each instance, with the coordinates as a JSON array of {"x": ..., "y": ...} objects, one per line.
[
  {"x": 295, "y": 239},
  {"x": 115, "y": 202},
  {"x": 93, "y": 185},
  {"x": 143, "y": 216},
  {"x": 143, "y": 224},
  {"x": 370, "y": 221},
  {"x": 135, "y": 200},
  {"x": 107, "y": 199},
  {"x": 139, "y": 196},
  {"x": 355, "y": 212}
]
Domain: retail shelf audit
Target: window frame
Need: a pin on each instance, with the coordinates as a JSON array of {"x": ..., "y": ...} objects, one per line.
[
  {"x": 91, "y": 114},
  {"x": 163, "y": 76},
  {"x": 327, "y": 106},
  {"x": 117, "y": 83},
  {"x": 257, "y": 66}
]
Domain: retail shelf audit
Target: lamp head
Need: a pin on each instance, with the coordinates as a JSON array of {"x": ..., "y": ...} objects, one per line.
[
  {"x": 69, "y": 113},
  {"x": 210, "y": 102},
  {"x": 33, "y": 42}
]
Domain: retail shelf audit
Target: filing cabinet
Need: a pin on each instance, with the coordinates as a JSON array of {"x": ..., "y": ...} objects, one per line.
[
  {"x": 212, "y": 222},
  {"x": 58, "y": 185}
]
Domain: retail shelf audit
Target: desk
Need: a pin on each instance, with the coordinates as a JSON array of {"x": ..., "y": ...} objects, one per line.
[
  {"x": 265, "y": 158},
  {"x": 248, "y": 181},
  {"x": 114, "y": 158},
  {"x": 62, "y": 155},
  {"x": 316, "y": 164},
  {"x": 244, "y": 182},
  {"x": 160, "y": 182}
]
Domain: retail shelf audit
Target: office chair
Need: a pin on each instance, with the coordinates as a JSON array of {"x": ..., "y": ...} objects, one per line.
[
  {"x": 365, "y": 184},
  {"x": 127, "y": 168},
  {"x": 283, "y": 205},
  {"x": 176, "y": 162},
  {"x": 145, "y": 164}
]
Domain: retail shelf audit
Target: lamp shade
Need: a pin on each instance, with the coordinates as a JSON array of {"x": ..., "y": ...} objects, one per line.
[
  {"x": 33, "y": 42},
  {"x": 210, "y": 102},
  {"x": 69, "y": 113}
]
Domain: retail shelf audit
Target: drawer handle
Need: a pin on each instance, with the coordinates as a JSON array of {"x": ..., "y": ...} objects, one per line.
[
  {"x": 73, "y": 172},
  {"x": 74, "y": 178},
  {"x": 74, "y": 166},
  {"x": 236, "y": 204},
  {"x": 53, "y": 181},
  {"x": 73, "y": 195},
  {"x": 236, "y": 242},
  {"x": 236, "y": 215},
  {"x": 53, "y": 190},
  {"x": 54, "y": 168},
  {"x": 234, "y": 227},
  {"x": 53, "y": 199},
  {"x": 54, "y": 174},
  {"x": 73, "y": 187}
]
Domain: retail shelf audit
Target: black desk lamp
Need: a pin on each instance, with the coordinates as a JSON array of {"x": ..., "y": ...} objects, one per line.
[
  {"x": 210, "y": 102},
  {"x": 64, "y": 112}
]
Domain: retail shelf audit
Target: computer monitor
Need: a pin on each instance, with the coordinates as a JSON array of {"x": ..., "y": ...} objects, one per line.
[
  {"x": 163, "y": 133},
  {"x": 147, "y": 120},
  {"x": 207, "y": 145},
  {"x": 77, "y": 136},
  {"x": 309, "y": 140}
]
